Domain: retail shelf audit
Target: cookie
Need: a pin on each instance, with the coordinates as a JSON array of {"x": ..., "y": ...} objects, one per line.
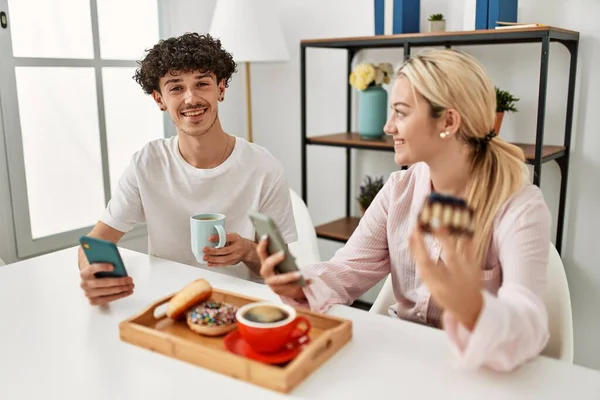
[
  {"x": 446, "y": 212},
  {"x": 196, "y": 292},
  {"x": 212, "y": 318}
]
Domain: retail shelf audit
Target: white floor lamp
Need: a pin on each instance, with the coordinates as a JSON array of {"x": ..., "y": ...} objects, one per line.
[{"x": 250, "y": 30}]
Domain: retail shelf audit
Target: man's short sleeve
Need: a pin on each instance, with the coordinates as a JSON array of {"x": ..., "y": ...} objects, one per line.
[{"x": 125, "y": 210}]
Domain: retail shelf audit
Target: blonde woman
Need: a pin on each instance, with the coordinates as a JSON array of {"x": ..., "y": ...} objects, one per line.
[{"x": 486, "y": 294}]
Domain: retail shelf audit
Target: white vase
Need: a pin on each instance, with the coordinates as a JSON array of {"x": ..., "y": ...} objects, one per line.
[{"x": 437, "y": 26}]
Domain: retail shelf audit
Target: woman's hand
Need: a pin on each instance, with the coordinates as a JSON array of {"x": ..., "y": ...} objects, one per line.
[
  {"x": 455, "y": 285},
  {"x": 282, "y": 284}
]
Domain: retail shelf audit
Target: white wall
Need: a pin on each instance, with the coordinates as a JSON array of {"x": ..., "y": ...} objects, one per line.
[{"x": 276, "y": 115}]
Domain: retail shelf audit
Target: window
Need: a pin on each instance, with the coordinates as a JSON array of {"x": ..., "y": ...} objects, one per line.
[{"x": 73, "y": 115}]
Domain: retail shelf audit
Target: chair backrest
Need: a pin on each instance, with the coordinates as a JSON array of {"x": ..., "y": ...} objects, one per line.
[
  {"x": 306, "y": 248},
  {"x": 558, "y": 304},
  {"x": 385, "y": 298},
  {"x": 560, "y": 314}
]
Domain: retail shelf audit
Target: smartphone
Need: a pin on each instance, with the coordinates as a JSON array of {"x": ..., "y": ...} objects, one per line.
[
  {"x": 264, "y": 225},
  {"x": 103, "y": 251}
]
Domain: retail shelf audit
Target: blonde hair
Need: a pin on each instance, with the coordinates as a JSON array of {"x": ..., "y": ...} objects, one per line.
[{"x": 453, "y": 79}]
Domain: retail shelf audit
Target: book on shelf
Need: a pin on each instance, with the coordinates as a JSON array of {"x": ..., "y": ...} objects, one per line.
[{"x": 517, "y": 25}]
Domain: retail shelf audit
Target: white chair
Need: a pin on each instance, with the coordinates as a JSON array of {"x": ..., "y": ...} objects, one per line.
[
  {"x": 560, "y": 314},
  {"x": 305, "y": 249},
  {"x": 385, "y": 298},
  {"x": 558, "y": 304}
]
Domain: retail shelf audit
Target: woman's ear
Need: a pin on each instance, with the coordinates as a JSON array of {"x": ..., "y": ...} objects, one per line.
[{"x": 451, "y": 121}]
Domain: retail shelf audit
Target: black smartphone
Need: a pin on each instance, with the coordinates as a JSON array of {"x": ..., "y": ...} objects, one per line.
[
  {"x": 264, "y": 225},
  {"x": 103, "y": 251}
]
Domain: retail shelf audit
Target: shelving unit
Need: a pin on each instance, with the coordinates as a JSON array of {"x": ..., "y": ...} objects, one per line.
[{"x": 536, "y": 153}]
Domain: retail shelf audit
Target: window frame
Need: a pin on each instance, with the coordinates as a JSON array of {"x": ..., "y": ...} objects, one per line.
[{"x": 26, "y": 245}]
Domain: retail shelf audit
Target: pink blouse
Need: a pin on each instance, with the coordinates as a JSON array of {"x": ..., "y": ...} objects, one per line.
[{"x": 513, "y": 325}]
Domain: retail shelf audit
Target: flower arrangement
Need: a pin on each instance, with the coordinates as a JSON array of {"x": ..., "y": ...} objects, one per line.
[
  {"x": 367, "y": 75},
  {"x": 368, "y": 191}
]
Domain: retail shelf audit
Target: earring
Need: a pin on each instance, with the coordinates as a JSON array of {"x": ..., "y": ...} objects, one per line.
[{"x": 444, "y": 135}]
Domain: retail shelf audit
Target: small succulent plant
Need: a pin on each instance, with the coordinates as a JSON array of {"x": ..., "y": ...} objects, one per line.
[
  {"x": 369, "y": 190},
  {"x": 505, "y": 101}
]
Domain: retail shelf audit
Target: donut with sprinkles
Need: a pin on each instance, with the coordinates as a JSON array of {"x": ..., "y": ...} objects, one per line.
[{"x": 212, "y": 318}]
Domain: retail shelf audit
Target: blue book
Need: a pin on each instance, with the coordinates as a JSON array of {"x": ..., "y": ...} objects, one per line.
[
  {"x": 379, "y": 16},
  {"x": 407, "y": 16},
  {"x": 502, "y": 10},
  {"x": 481, "y": 14}
]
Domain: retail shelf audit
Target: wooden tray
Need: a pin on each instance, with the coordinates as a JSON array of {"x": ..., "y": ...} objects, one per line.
[{"x": 176, "y": 340}]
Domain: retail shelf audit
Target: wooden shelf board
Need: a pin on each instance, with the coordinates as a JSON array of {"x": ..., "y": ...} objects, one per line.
[
  {"x": 549, "y": 152},
  {"x": 481, "y": 35},
  {"x": 339, "y": 230},
  {"x": 353, "y": 140}
]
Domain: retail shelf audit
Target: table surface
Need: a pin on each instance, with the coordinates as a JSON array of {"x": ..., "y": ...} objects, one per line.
[{"x": 54, "y": 345}]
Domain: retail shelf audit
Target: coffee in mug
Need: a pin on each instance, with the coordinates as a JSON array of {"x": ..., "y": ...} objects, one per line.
[
  {"x": 266, "y": 314},
  {"x": 270, "y": 327}
]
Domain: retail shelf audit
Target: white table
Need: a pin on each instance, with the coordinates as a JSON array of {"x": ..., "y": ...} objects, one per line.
[{"x": 54, "y": 345}]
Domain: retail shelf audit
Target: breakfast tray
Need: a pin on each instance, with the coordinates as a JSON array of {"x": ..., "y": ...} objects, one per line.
[{"x": 174, "y": 339}]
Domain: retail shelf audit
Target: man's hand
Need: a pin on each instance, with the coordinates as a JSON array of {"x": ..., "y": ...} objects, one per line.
[
  {"x": 102, "y": 290},
  {"x": 236, "y": 250}
]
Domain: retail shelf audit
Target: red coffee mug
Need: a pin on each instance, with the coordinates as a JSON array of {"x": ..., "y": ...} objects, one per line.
[{"x": 272, "y": 337}]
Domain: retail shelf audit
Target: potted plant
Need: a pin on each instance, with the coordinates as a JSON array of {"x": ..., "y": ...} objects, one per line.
[
  {"x": 368, "y": 191},
  {"x": 437, "y": 23},
  {"x": 368, "y": 79},
  {"x": 505, "y": 102}
]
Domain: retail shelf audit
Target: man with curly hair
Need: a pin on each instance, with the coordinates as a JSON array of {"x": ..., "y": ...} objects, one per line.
[{"x": 201, "y": 169}]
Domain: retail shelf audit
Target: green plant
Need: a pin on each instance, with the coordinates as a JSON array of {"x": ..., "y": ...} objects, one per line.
[
  {"x": 369, "y": 190},
  {"x": 505, "y": 101},
  {"x": 436, "y": 17}
]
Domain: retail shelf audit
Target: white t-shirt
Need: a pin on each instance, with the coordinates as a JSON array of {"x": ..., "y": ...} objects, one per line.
[{"x": 159, "y": 188}]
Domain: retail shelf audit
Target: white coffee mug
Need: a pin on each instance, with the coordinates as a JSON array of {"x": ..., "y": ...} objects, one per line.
[{"x": 202, "y": 227}]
